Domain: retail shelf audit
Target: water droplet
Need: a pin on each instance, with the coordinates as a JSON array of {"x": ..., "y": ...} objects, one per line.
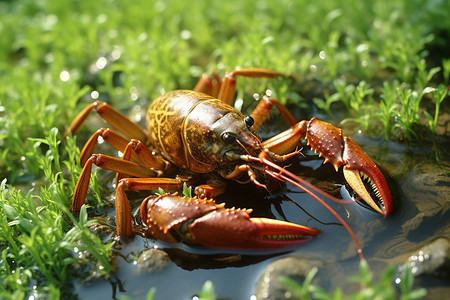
[
  {"x": 322, "y": 54},
  {"x": 256, "y": 96},
  {"x": 313, "y": 68},
  {"x": 362, "y": 48},
  {"x": 95, "y": 94},
  {"x": 115, "y": 55},
  {"x": 185, "y": 34},
  {"x": 269, "y": 93},
  {"x": 64, "y": 76},
  {"x": 134, "y": 93},
  {"x": 101, "y": 62}
]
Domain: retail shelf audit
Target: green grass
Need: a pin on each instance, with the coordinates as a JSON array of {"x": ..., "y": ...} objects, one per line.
[
  {"x": 40, "y": 239},
  {"x": 385, "y": 288},
  {"x": 376, "y": 63}
]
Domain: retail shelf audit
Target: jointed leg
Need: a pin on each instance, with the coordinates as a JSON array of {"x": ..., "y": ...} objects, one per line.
[
  {"x": 109, "y": 163},
  {"x": 123, "y": 211},
  {"x": 208, "y": 85},
  {"x": 210, "y": 190},
  {"x": 228, "y": 87},
  {"x": 226, "y": 90},
  {"x": 139, "y": 152},
  {"x": 239, "y": 170},
  {"x": 265, "y": 107},
  {"x": 286, "y": 141},
  {"x": 116, "y": 119}
]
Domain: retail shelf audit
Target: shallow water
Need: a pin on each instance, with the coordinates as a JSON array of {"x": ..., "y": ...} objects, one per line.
[{"x": 420, "y": 188}]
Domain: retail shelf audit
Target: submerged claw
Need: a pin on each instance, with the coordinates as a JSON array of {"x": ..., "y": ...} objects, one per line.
[
  {"x": 361, "y": 173},
  {"x": 203, "y": 222}
]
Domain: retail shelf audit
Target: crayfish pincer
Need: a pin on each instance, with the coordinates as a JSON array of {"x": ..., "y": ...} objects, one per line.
[
  {"x": 203, "y": 222},
  {"x": 196, "y": 137}
]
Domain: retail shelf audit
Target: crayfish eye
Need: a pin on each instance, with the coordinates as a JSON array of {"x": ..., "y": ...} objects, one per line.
[
  {"x": 228, "y": 138},
  {"x": 249, "y": 121}
]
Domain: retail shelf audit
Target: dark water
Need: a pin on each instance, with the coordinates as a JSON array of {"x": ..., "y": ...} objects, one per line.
[{"x": 421, "y": 191}]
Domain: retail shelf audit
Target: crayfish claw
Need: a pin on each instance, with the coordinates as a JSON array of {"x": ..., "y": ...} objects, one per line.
[
  {"x": 366, "y": 179},
  {"x": 360, "y": 172},
  {"x": 234, "y": 229},
  {"x": 204, "y": 222}
]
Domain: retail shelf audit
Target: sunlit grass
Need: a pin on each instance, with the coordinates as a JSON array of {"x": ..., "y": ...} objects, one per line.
[
  {"x": 40, "y": 238},
  {"x": 385, "y": 288},
  {"x": 365, "y": 62}
]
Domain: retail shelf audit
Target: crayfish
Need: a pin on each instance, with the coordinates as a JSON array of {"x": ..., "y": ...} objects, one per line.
[{"x": 197, "y": 132}]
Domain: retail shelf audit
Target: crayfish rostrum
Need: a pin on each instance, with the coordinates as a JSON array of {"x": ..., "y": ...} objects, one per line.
[{"x": 197, "y": 132}]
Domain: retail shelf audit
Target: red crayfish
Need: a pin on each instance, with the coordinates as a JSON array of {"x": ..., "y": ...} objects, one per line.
[{"x": 197, "y": 132}]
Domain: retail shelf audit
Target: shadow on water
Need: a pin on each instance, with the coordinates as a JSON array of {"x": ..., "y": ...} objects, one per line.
[{"x": 421, "y": 192}]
